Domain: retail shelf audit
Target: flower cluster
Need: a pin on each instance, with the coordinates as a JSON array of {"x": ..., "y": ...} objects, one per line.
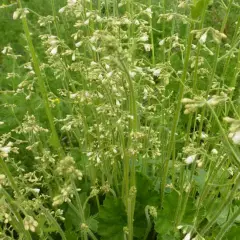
[
  {"x": 30, "y": 223},
  {"x": 67, "y": 168},
  {"x": 234, "y": 130},
  {"x": 65, "y": 195}
]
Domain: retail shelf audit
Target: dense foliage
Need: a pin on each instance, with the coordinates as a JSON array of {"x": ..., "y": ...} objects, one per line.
[{"x": 120, "y": 119}]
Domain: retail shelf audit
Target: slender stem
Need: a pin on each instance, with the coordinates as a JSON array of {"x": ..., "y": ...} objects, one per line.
[
  {"x": 152, "y": 36},
  {"x": 177, "y": 112},
  {"x": 228, "y": 224},
  {"x": 13, "y": 207},
  {"x": 5, "y": 169},
  {"x": 223, "y": 205},
  {"x": 56, "y": 142},
  {"x": 53, "y": 220},
  {"x": 225, "y": 138},
  {"x": 215, "y": 63}
]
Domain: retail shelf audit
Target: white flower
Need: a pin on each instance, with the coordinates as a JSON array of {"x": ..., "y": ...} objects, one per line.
[
  {"x": 108, "y": 75},
  {"x": 6, "y": 149},
  {"x": 156, "y": 72},
  {"x": 30, "y": 223},
  {"x": 213, "y": 101},
  {"x": 214, "y": 151},
  {"x": 61, "y": 10},
  {"x": 4, "y": 51},
  {"x": 1, "y": 123},
  {"x": 147, "y": 47},
  {"x": 98, "y": 18},
  {"x": 170, "y": 17},
  {"x": 204, "y": 135},
  {"x": 73, "y": 95},
  {"x": 235, "y": 137},
  {"x": 54, "y": 51},
  {"x": 161, "y": 42},
  {"x": 203, "y": 38},
  {"x": 78, "y": 44},
  {"x": 16, "y": 14},
  {"x": 53, "y": 42},
  {"x": 144, "y": 38},
  {"x": 98, "y": 159},
  {"x": 72, "y": 2},
  {"x": 148, "y": 11},
  {"x": 36, "y": 190},
  {"x": 136, "y": 22},
  {"x": 190, "y": 159},
  {"x": 194, "y": 46},
  {"x": 187, "y": 237},
  {"x": 73, "y": 57},
  {"x": 132, "y": 74},
  {"x": 86, "y": 22},
  {"x": 182, "y": 5}
]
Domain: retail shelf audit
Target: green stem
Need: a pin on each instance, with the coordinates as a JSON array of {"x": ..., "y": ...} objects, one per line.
[
  {"x": 228, "y": 225},
  {"x": 56, "y": 142},
  {"x": 55, "y": 223},
  {"x": 13, "y": 207},
  {"x": 152, "y": 37},
  {"x": 6, "y": 171},
  {"x": 229, "y": 146},
  {"x": 223, "y": 205},
  {"x": 215, "y": 62},
  {"x": 177, "y": 112}
]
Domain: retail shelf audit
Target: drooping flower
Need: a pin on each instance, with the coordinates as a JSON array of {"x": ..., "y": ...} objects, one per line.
[
  {"x": 187, "y": 237},
  {"x": 203, "y": 38}
]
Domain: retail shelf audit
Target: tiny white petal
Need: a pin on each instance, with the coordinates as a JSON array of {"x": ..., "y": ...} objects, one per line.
[
  {"x": 37, "y": 190},
  {"x": 61, "y": 10},
  {"x": 187, "y": 237},
  {"x": 190, "y": 159},
  {"x": 78, "y": 44},
  {"x": 73, "y": 57},
  {"x": 161, "y": 42},
  {"x": 54, "y": 51},
  {"x": 147, "y": 47},
  {"x": 236, "y": 138},
  {"x": 16, "y": 14},
  {"x": 156, "y": 72},
  {"x": 5, "y": 149},
  {"x": 144, "y": 38},
  {"x": 132, "y": 74},
  {"x": 203, "y": 38},
  {"x": 214, "y": 151}
]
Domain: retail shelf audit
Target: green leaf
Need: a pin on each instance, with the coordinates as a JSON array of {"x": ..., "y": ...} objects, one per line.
[
  {"x": 146, "y": 195},
  {"x": 92, "y": 223},
  {"x": 233, "y": 233},
  {"x": 71, "y": 235},
  {"x": 165, "y": 218},
  {"x": 200, "y": 178},
  {"x": 112, "y": 218},
  {"x": 197, "y": 8}
]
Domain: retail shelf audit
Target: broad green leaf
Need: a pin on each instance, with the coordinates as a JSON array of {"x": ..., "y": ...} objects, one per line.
[
  {"x": 112, "y": 219},
  {"x": 164, "y": 223},
  {"x": 92, "y": 223},
  {"x": 146, "y": 195}
]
